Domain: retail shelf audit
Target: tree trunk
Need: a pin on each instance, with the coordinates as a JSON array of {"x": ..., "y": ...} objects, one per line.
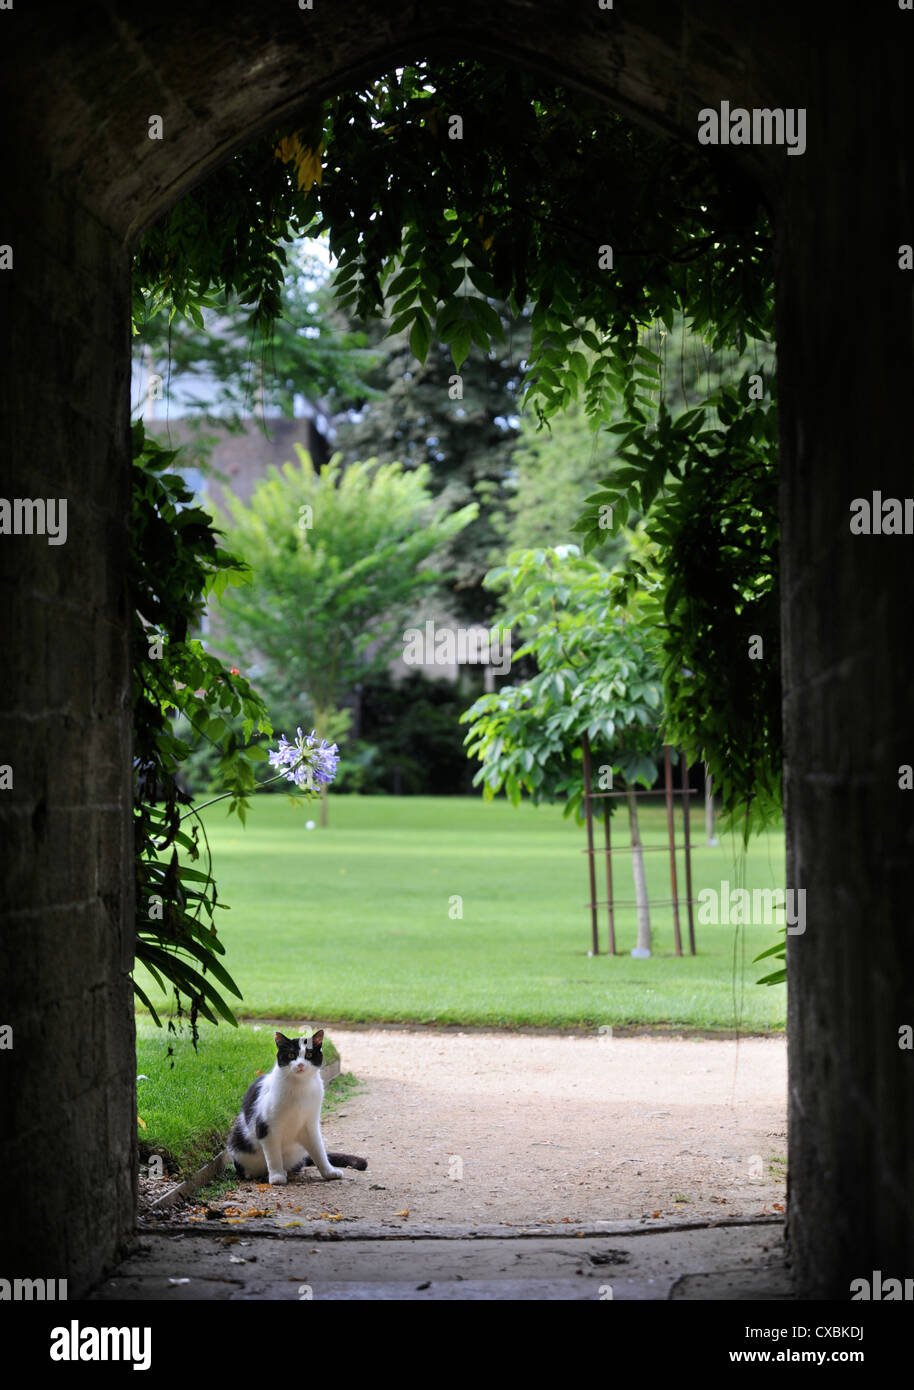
[
  {"x": 710, "y": 837},
  {"x": 320, "y": 725},
  {"x": 644, "y": 911}
]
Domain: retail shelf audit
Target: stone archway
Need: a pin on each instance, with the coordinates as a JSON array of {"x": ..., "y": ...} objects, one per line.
[{"x": 83, "y": 179}]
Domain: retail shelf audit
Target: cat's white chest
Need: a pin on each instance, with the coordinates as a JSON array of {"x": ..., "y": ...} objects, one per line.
[{"x": 294, "y": 1103}]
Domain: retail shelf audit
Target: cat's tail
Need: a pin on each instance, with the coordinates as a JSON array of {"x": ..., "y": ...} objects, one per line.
[{"x": 337, "y": 1159}]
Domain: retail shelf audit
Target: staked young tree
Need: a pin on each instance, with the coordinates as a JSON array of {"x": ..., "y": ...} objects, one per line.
[{"x": 597, "y": 676}]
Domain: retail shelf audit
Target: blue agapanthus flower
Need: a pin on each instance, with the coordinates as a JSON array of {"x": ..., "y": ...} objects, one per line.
[{"x": 308, "y": 761}]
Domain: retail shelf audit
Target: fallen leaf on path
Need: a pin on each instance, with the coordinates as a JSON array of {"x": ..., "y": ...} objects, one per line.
[
  {"x": 250, "y": 1215},
  {"x": 404, "y": 1212}
]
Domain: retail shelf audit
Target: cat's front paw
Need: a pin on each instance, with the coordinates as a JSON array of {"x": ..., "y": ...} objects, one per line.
[
  {"x": 332, "y": 1173},
  {"x": 277, "y": 1179}
]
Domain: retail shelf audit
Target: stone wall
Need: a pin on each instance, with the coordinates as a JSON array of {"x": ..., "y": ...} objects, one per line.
[
  {"x": 846, "y": 371},
  {"x": 67, "y": 1087}
]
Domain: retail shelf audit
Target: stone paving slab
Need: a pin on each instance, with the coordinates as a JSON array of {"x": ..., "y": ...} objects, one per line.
[{"x": 716, "y": 1262}]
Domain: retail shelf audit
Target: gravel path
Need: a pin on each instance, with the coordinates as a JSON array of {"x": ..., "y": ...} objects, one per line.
[{"x": 490, "y": 1127}]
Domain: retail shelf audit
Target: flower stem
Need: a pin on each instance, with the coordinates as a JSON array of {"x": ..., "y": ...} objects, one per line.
[{"x": 212, "y": 802}]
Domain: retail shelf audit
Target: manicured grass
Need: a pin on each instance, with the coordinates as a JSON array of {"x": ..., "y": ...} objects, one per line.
[
  {"x": 187, "y": 1108},
  {"x": 352, "y": 922}
]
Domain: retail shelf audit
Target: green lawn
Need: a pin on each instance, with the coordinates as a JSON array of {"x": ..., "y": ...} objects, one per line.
[
  {"x": 352, "y": 922},
  {"x": 187, "y": 1108}
]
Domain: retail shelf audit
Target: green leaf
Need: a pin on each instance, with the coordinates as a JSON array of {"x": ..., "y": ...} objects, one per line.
[
  {"x": 419, "y": 337},
  {"x": 488, "y": 319},
  {"x": 578, "y": 364},
  {"x": 403, "y": 281},
  {"x": 460, "y": 346},
  {"x": 482, "y": 281},
  {"x": 400, "y": 322},
  {"x": 141, "y": 994},
  {"x": 778, "y": 950}
]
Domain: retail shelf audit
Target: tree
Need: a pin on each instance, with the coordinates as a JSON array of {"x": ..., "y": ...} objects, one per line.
[
  {"x": 339, "y": 559},
  {"x": 464, "y": 426},
  {"x": 598, "y": 677},
  {"x": 552, "y": 472}
]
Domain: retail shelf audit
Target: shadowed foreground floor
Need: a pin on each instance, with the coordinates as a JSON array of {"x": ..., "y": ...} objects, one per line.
[{"x": 744, "y": 1262}]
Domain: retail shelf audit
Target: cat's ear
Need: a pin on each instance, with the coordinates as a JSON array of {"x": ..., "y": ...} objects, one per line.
[
  {"x": 280, "y": 1038},
  {"x": 318, "y": 1038}
]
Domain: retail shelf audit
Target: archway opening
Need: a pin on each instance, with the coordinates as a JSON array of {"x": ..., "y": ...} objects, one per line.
[{"x": 415, "y": 125}]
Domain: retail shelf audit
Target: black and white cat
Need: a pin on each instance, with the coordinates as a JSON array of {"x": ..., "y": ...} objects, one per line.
[{"x": 279, "y": 1128}]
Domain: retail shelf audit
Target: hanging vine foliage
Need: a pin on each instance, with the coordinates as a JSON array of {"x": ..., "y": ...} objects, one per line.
[
  {"x": 175, "y": 564},
  {"x": 449, "y": 186}
]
